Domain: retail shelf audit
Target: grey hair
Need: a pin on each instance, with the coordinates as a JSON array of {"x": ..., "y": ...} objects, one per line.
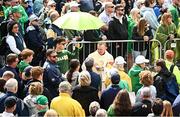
[
  {"x": 65, "y": 87},
  {"x": 101, "y": 113},
  {"x": 11, "y": 84},
  {"x": 145, "y": 92}
]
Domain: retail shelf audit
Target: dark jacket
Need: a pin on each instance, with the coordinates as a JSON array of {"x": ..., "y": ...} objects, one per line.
[
  {"x": 21, "y": 107},
  {"x": 85, "y": 95},
  {"x": 166, "y": 86},
  {"x": 52, "y": 77},
  {"x": 20, "y": 82},
  {"x": 141, "y": 46},
  {"x": 142, "y": 108},
  {"x": 34, "y": 39},
  {"x": 108, "y": 96},
  {"x": 118, "y": 31},
  {"x": 95, "y": 80}
]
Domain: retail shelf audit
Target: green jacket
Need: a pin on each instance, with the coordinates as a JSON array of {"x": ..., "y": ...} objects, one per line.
[
  {"x": 124, "y": 85},
  {"x": 110, "y": 111},
  {"x": 163, "y": 32},
  {"x": 131, "y": 25},
  {"x": 22, "y": 65},
  {"x": 24, "y": 16},
  {"x": 134, "y": 75},
  {"x": 64, "y": 57},
  {"x": 175, "y": 14}
]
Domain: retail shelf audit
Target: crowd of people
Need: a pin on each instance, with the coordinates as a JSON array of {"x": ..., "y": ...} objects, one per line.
[{"x": 41, "y": 77}]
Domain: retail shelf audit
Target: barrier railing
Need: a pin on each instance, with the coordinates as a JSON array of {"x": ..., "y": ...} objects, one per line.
[
  {"x": 172, "y": 44},
  {"x": 120, "y": 49}
]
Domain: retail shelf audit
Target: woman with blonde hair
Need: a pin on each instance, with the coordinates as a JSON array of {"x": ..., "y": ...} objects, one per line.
[
  {"x": 146, "y": 80},
  {"x": 167, "y": 109},
  {"x": 84, "y": 93},
  {"x": 35, "y": 89}
]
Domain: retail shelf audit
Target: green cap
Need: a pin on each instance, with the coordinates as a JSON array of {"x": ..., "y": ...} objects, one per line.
[
  {"x": 16, "y": 9},
  {"x": 41, "y": 100}
]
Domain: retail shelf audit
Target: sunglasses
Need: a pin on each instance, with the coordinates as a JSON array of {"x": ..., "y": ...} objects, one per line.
[{"x": 54, "y": 56}]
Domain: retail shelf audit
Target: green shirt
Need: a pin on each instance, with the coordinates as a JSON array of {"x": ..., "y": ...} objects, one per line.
[
  {"x": 24, "y": 16},
  {"x": 64, "y": 57},
  {"x": 22, "y": 65}
]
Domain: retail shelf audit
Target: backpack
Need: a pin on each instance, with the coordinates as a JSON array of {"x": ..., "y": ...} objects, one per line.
[
  {"x": 3, "y": 28},
  {"x": 171, "y": 86},
  {"x": 4, "y": 47}
]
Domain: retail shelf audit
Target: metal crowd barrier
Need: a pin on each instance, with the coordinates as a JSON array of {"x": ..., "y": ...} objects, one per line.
[
  {"x": 91, "y": 46},
  {"x": 172, "y": 44}
]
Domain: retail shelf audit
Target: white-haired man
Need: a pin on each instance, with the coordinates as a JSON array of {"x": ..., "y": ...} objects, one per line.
[
  {"x": 60, "y": 105},
  {"x": 11, "y": 87}
]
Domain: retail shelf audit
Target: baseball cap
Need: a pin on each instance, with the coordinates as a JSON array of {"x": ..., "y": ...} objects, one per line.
[
  {"x": 120, "y": 60},
  {"x": 33, "y": 17},
  {"x": 169, "y": 54},
  {"x": 10, "y": 101},
  {"x": 41, "y": 100},
  {"x": 73, "y": 4},
  {"x": 141, "y": 59},
  {"x": 16, "y": 9}
]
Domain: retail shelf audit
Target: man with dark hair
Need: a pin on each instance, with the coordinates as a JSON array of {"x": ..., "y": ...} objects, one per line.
[
  {"x": 118, "y": 30},
  {"x": 12, "y": 61},
  {"x": 52, "y": 76},
  {"x": 10, "y": 106},
  {"x": 95, "y": 78},
  {"x": 64, "y": 56}
]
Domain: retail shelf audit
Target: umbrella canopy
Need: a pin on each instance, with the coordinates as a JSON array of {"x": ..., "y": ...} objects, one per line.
[{"x": 78, "y": 21}]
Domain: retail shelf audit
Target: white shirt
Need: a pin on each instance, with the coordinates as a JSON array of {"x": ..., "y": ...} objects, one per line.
[
  {"x": 6, "y": 114},
  {"x": 105, "y": 18},
  {"x": 12, "y": 44}
]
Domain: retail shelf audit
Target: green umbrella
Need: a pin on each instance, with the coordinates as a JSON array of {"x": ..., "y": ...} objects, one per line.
[{"x": 78, "y": 21}]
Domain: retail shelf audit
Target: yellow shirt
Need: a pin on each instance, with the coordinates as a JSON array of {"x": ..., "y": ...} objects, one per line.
[{"x": 64, "y": 105}]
